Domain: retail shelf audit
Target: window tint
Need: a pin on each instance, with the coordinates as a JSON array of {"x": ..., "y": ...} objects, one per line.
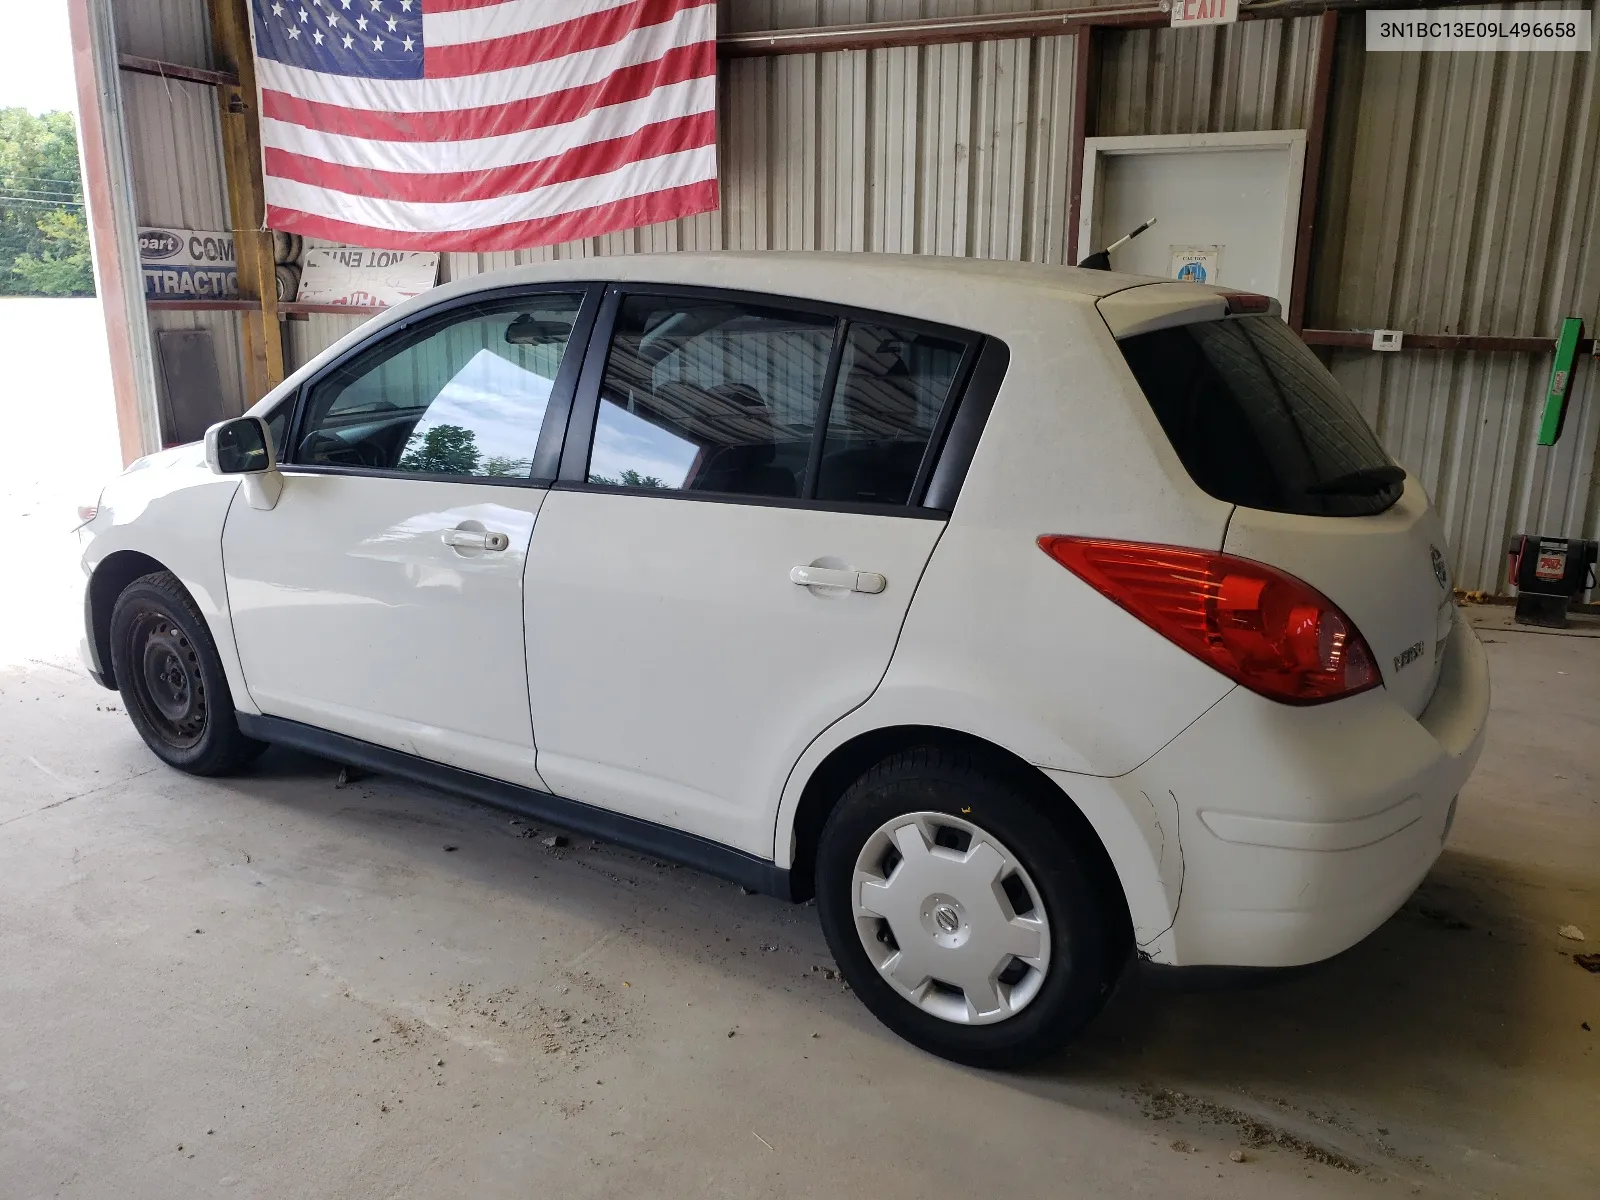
[
  {"x": 464, "y": 397},
  {"x": 712, "y": 396},
  {"x": 892, "y": 386},
  {"x": 278, "y": 424},
  {"x": 1258, "y": 421}
]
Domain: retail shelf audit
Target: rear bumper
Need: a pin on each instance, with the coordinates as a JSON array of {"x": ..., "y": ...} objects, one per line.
[{"x": 1304, "y": 829}]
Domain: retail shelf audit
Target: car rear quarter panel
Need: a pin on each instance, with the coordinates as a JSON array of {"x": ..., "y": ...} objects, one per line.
[
  {"x": 1003, "y": 643},
  {"x": 1010, "y": 641},
  {"x": 173, "y": 510}
]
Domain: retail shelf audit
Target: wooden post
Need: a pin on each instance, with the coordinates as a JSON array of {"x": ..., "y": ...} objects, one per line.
[
  {"x": 241, "y": 148},
  {"x": 1311, "y": 182},
  {"x": 1085, "y": 84}
]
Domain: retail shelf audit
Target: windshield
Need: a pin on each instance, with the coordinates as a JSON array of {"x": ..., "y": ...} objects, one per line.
[{"x": 1258, "y": 421}]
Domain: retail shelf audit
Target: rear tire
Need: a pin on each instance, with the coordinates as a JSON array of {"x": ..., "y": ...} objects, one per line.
[
  {"x": 171, "y": 679},
  {"x": 990, "y": 972}
]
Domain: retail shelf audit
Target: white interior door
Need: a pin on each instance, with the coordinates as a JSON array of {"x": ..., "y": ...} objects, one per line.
[{"x": 1226, "y": 206}]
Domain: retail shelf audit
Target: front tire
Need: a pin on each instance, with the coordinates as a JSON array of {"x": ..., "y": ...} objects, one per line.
[
  {"x": 171, "y": 679},
  {"x": 960, "y": 913}
]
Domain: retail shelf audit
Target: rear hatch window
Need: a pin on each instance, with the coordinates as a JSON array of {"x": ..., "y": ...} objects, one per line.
[{"x": 1258, "y": 421}]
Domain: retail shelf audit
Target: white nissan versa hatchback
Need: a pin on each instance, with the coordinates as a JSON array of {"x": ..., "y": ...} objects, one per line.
[{"x": 1032, "y": 619}]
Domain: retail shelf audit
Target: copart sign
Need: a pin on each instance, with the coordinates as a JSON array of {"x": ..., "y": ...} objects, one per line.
[{"x": 188, "y": 264}]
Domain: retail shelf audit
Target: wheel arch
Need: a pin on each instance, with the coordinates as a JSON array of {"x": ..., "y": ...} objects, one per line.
[
  {"x": 829, "y": 780},
  {"x": 111, "y": 577}
]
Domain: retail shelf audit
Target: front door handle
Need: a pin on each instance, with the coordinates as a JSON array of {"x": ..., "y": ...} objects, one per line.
[
  {"x": 855, "y": 581},
  {"x": 475, "y": 539}
]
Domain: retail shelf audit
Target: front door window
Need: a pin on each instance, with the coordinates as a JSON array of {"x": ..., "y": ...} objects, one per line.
[{"x": 463, "y": 396}]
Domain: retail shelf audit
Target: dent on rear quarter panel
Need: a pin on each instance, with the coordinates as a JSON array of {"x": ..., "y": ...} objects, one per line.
[{"x": 175, "y": 514}]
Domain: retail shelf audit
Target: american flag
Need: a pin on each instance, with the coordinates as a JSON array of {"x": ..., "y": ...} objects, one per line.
[{"x": 484, "y": 124}]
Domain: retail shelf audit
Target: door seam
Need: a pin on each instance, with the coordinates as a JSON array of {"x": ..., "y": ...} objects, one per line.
[
  {"x": 522, "y": 604},
  {"x": 227, "y": 595},
  {"x": 884, "y": 674}
]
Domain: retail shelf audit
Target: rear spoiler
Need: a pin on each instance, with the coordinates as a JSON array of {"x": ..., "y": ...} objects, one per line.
[{"x": 1151, "y": 306}]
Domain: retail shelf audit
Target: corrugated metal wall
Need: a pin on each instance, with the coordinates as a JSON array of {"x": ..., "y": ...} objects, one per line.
[
  {"x": 304, "y": 340},
  {"x": 932, "y": 150},
  {"x": 175, "y": 141},
  {"x": 1463, "y": 197},
  {"x": 1465, "y": 423},
  {"x": 946, "y": 149},
  {"x": 177, "y": 31},
  {"x": 1220, "y": 79},
  {"x": 746, "y": 16}
]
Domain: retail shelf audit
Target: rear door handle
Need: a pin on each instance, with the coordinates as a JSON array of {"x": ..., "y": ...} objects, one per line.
[
  {"x": 855, "y": 581},
  {"x": 475, "y": 539}
]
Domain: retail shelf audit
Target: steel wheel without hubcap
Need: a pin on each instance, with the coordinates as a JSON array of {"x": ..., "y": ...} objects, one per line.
[
  {"x": 168, "y": 683},
  {"x": 950, "y": 918}
]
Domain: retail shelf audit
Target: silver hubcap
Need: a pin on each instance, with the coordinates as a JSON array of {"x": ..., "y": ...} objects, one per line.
[{"x": 949, "y": 917}]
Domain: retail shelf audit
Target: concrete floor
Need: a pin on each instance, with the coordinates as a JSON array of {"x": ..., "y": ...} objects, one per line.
[{"x": 276, "y": 986}]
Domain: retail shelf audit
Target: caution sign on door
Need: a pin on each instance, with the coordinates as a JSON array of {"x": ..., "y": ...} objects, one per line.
[{"x": 1196, "y": 264}]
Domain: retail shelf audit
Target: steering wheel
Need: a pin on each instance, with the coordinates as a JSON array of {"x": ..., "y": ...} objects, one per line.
[{"x": 332, "y": 450}]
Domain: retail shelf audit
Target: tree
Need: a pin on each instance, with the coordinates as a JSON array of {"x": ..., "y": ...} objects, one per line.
[
  {"x": 63, "y": 268},
  {"x": 442, "y": 450},
  {"x": 44, "y": 242},
  {"x": 498, "y": 465},
  {"x": 630, "y": 478}
]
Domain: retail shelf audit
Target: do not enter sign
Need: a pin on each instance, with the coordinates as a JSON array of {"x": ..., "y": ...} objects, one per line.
[{"x": 1205, "y": 12}]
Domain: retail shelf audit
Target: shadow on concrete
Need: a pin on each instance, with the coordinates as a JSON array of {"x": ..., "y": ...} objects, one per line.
[
  {"x": 682, "y": 907},
  {"x": 1414, "y": 1044},
  {"x": 1411, "y": 997},
  {"x": 1426, "y": 993}
]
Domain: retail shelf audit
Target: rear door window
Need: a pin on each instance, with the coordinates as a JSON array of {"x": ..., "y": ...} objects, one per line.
[
  {"x": 742, "y": 398},
  {"x": 710, "y": 396},
  {"x": 892, "y": 386},
  {"x": 1258, "y": 421}
]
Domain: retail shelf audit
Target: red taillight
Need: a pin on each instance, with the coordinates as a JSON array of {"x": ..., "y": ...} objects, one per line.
[
  {"x": 88, "y": 512},
  {"x": 1247, "y": 302},
  {"x": 1260, "y": 627}
]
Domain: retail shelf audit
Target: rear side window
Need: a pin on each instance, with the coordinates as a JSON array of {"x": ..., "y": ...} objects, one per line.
[
  {"x": 892, "y": 386},
  {"x": 1258, "y": 421},
  {"x": 710, "y": 396},
  {"x": 743, "y": 398}
]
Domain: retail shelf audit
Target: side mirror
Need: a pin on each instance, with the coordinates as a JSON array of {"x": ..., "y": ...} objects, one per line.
[{"x": 243, "y": 446}]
